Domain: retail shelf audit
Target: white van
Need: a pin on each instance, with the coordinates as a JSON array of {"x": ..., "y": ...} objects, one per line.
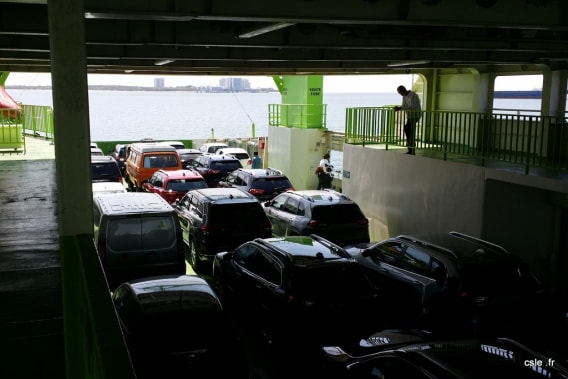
[
  {"x": 137, "y": 234},
  {"x": 240, "y": 154}
]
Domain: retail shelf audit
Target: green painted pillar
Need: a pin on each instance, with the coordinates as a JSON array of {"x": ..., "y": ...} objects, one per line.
[{"x": 302, "y": 101}]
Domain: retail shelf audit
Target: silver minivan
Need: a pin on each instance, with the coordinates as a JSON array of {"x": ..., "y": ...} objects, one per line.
[{"x": 137, "y": 235}]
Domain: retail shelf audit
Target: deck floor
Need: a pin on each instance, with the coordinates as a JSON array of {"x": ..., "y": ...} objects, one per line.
[{"x": 31, "y": 316}]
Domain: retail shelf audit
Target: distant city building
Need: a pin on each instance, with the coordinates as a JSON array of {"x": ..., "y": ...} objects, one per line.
[
  {"x": 234, "y": 84},
  {"x": 159, "y": 83}
]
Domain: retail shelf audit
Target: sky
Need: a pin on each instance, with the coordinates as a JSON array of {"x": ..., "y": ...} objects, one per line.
[{"x": 333, "y": 83}]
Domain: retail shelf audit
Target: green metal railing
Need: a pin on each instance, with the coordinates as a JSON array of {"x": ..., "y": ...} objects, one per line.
[
  {"x": 528, "y": 140},
  {"x": 11, "y": 136},
  {"x": 15, "y": 124},
  {"x": 298, "y": 115},
  {"x": 37, "y": 120}
]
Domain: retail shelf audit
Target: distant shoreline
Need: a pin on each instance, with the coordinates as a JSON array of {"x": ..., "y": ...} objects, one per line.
[{"x": 153, "y": 89}]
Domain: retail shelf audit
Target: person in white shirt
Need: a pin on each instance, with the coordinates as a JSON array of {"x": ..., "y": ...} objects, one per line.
[
  {"x": 412, "y": 108},
  {"x": 324, "y": 172}
]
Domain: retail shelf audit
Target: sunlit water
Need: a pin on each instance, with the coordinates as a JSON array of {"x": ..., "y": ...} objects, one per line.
[{"x": 168, "y": 115}]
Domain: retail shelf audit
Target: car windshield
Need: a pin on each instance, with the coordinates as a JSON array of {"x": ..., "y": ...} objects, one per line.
[
  {"x": 176, "y": 331},
  {"x": 240, "y": 155},
  {"x": 184, "y": 185},
  {"x": 103, "y": 171},
  {"x": 337, "y": 213},
  {"x": 141, "y": 233},
  {"x": 245, "y": 213},
  {"x": 498, "y": 279},
  {"x": 160, "y": 161},
  {"x": 331, "y": 282},
  {"x": 225, "y": 165},
  {"x": 271, "y": 183}
]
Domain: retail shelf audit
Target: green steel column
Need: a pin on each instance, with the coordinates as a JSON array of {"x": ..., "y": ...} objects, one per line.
[{"x": 302, "y": 101}]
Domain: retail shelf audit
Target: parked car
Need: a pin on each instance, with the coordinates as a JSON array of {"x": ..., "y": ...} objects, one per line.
[
  {"x": 297, "y": 287},
  {"x": 265, "y": 184},
  {"x": 219, "y": 219},
  {"x": 176, "y": 144},
  {"x": 492, "y": 287},
  {"x": 240, "y": 154},
  {"x": 137, "y": 235},
  {"x": 475, "y": 358},
  {"x": 95, "y": 151},
  {"x": 327, "y": 213},
  {"x": 105, "y": 169},
  {"x": 108, "y": 187},
  {"x": 175, "y": 325},
  {"x": 119, "y": 155},
  {"x": 187, "y": 156},
  {"x": 215, "y": 168},
  {"x": 145, "y": 158},
  {"x": 172, "y": 185},
  {"x": 212, "y": 147}
]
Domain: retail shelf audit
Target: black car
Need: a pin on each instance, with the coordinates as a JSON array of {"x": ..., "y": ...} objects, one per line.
[
  {"x": 119, "y": 155},
  {"x": 174, "y": 325},
  {"x": 405, "y": 356},
  {"x": 187, "y": 156},
  {"x": 219, "y": 219},
  {"x": 297, "y": 287},
  {"x": 327, "y": 213},
  {"x": 215, "y": 168},
  {"x": 481, "y": 283},
  {"x": 105, "y": 169},
  {"x": 264, "y": 184}
]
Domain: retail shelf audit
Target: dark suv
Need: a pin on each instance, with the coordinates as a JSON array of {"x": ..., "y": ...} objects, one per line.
[
  {"x": 327, "y": 213},
  {"x": 214, "y": 168},
  {"x": 489, "y": 286},
  {"x": 265, "y": 184},
  {"x": 119, "y": 155},
  {"x": 219, "y": 219},
  {"x": 301, "y": 284},
  {"x": 105, "y": 169}
]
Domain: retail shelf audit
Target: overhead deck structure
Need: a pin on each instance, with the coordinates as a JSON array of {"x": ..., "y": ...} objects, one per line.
[{"x": 73, "y": 38}]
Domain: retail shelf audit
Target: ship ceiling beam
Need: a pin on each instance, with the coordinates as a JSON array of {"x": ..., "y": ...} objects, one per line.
[{"x": 361, "y": 35}]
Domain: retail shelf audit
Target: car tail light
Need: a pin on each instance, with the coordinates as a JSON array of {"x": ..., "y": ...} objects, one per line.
[
  {"x": 265, "y": 225},
  {"x": 256, "y": 191},
  {"x": 213, "y": 172},
  {"x": 363, "y": 221},
  {"x": 211, "y": 229},
  {"x": 120, "y": 179},
  {"x": 249, "y": 162},
  {"x": 315, "y": 224}
]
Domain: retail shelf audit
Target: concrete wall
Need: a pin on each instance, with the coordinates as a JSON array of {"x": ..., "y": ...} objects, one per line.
[{"x": 405, "y": 194}]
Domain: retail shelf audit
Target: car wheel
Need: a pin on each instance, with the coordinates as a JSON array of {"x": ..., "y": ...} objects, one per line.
[{"x": 194, "y": 256}]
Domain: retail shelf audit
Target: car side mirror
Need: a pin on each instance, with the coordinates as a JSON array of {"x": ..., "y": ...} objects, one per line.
[
  {"x": 268, "y": 203},
  {"x": 366, "y": 253}
]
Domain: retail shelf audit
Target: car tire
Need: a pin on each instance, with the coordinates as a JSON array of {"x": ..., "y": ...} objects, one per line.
[{"x": 194, "y": 257}]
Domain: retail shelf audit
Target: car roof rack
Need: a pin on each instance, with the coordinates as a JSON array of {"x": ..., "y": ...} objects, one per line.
[
  {"x": 441, "y": 249},
  {"x": 335, "y": 249},
  {"x": 270, "y": 170},
  {"x": 478, "y": 241},
  {"x": 271, "y": 246}
]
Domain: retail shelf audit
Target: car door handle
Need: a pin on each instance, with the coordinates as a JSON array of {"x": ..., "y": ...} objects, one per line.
[{"x": 416, "y": 283}]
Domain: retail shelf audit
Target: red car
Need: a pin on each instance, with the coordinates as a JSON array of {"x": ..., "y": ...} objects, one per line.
[{"x": 172, "y": 185}]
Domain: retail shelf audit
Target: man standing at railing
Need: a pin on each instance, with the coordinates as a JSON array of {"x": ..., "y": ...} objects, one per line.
[{"x": 412, "y": 108}]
